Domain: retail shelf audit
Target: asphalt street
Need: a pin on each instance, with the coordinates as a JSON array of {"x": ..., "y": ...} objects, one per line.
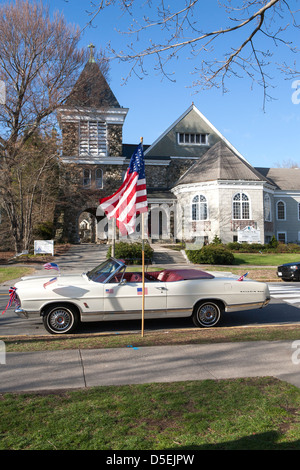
[
  {"x": 82, "y": 368},
  {"x": 284, "y": 308}
]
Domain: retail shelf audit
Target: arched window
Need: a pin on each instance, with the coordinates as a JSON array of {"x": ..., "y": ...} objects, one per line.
[
  {"x": 267, "y": 208},
  {"x": 280, "y": 210},
  {"x": 99, "y": 178},
  {"x": 199, "y": 208},
  {"x": 87, "y": 178},
  {"x": 240, "y": 206}
]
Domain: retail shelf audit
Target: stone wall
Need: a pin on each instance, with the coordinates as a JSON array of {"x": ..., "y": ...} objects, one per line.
[
  {"x": 165, "y": 176},
  {"x": 70, "y": 138},
  {"x": 74, "y": 199},
  {"x": 176, "y": 169}
]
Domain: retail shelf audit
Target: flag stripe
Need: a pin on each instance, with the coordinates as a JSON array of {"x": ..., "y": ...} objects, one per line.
[
  {"x": 128, "y": 197},
  {"x": 131, "y": 197},
  {"x": 118, "y": 199},
  {"x": 54, "y": 279}
]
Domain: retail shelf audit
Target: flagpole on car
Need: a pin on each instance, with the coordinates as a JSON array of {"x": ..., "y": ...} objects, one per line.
[
  {"x": 143, "y": 265},
  {"x": 113, "y": 241},
  {"x": 128, "y": 201}
]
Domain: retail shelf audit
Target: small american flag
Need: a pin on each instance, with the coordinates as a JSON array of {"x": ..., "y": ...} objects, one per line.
[
  {"x": 131, "y": 198},
  {"x": 242, "y": 277},
  {"x": 54, "y": 279},
  {"x": 51, "y": 266},
  {"x": 140, "y": 291},
  {"x": 109, "y": 291}
]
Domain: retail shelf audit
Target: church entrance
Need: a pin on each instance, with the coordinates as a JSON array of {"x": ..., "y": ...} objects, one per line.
[
  {"x": 161, "y": 222},
  {"x": 87, "y": 226}
]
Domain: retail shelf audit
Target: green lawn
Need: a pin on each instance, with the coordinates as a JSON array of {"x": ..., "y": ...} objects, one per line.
[
  {"x": 265, "y": 259},
  {"x": 12, "y": 272},
  {"x": 253, "y": 413},
  {"x": 184, "y": 335},
  {"x": 256, "y": 413}
]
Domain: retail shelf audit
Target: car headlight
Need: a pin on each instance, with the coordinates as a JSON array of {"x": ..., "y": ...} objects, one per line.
[{"x": 295, "y": 266}]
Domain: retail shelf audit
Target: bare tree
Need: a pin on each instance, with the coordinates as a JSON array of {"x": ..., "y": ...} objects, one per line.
[
  {"x": 39, "y": 62},
  {"x": 28, "y": 187},
  {"x": 287, "y": 164},
  {"x": 254, "y": 28}
]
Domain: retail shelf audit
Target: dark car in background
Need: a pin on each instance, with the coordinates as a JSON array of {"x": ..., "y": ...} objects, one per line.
[{"x": 289, "y": 271}]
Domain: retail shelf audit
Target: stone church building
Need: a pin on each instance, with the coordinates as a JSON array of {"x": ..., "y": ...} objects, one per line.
[{"x": 199, "y": 186}]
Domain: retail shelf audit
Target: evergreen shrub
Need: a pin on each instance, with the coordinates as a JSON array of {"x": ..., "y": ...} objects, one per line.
[
  {"x": 211, "y": 254},
  {"x": 131, "y": 253}
]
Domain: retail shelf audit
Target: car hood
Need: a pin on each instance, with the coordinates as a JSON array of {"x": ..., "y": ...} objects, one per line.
[{"x": 62, "y": 280}]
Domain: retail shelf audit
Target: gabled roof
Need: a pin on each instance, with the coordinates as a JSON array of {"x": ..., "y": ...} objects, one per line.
[
  {"x": 220, "y": 163},
  {"x": 155, "y": 147},
  {"x": 92, "y": 89}
]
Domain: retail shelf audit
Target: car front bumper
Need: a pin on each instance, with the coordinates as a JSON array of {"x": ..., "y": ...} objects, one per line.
[
  {"x": 288, "y": 274},
  {"x": 21, "y": 313},
  {"x": 24, "y": 314}
]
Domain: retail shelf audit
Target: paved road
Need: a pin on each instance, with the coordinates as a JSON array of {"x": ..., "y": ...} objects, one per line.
[
  {"x": 284, "y": 306},
  {"x": 85, "y": 368},
  {"x": 81, "y": 258},
  {"x": 286, "y": 292}
]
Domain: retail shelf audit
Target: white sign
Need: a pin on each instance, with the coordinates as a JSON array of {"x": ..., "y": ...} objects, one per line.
[
  {"x": 249, "y": 234},
  {"x": 43, "y": 247}
]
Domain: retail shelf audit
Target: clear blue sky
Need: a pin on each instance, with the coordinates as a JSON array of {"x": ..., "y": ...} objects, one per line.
[{"x": 265, "y": 138}]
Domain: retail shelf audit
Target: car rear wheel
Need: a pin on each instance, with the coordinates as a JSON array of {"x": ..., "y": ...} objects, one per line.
[
  {"x": 60, "y": 319},
  {"x": 207, "y": 314}
]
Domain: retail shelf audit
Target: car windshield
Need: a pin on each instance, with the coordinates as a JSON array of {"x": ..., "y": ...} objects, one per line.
[{"x": 105, "y": 271}]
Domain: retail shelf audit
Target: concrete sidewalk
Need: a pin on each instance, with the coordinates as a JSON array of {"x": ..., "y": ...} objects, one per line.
[{"x": 72, "y": 369}]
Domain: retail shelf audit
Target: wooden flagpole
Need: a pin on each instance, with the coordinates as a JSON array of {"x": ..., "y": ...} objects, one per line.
[
  {"x": 113, "y": 241},
  {"x": 143, "y": 266},
  {"x": 143, "y": 275}
]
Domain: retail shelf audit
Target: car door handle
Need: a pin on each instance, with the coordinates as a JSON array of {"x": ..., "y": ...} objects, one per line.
[{"x": 161, "y": 288}]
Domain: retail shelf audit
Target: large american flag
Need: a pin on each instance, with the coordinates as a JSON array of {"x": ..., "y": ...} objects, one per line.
[{"x": 131, "y": 198}]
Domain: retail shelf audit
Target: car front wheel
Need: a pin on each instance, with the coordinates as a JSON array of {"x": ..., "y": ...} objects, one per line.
[
  {"x": 207, "y": 314},
  {"x": 60, "y": 319}
]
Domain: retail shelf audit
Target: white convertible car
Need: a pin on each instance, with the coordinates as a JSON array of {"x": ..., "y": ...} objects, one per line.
[{"x": 108, "y": 292}]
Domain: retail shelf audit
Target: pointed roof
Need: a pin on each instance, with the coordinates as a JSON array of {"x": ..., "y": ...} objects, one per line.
[
  {"x": 220, "y": 163},
  {"x": 92, "y": 89},
  {"x": 163, "y": 142}
]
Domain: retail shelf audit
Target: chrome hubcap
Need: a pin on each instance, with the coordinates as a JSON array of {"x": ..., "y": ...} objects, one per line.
[
  {"x": 208, "y": 314},
  {"x": 60, "y": 320}
]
